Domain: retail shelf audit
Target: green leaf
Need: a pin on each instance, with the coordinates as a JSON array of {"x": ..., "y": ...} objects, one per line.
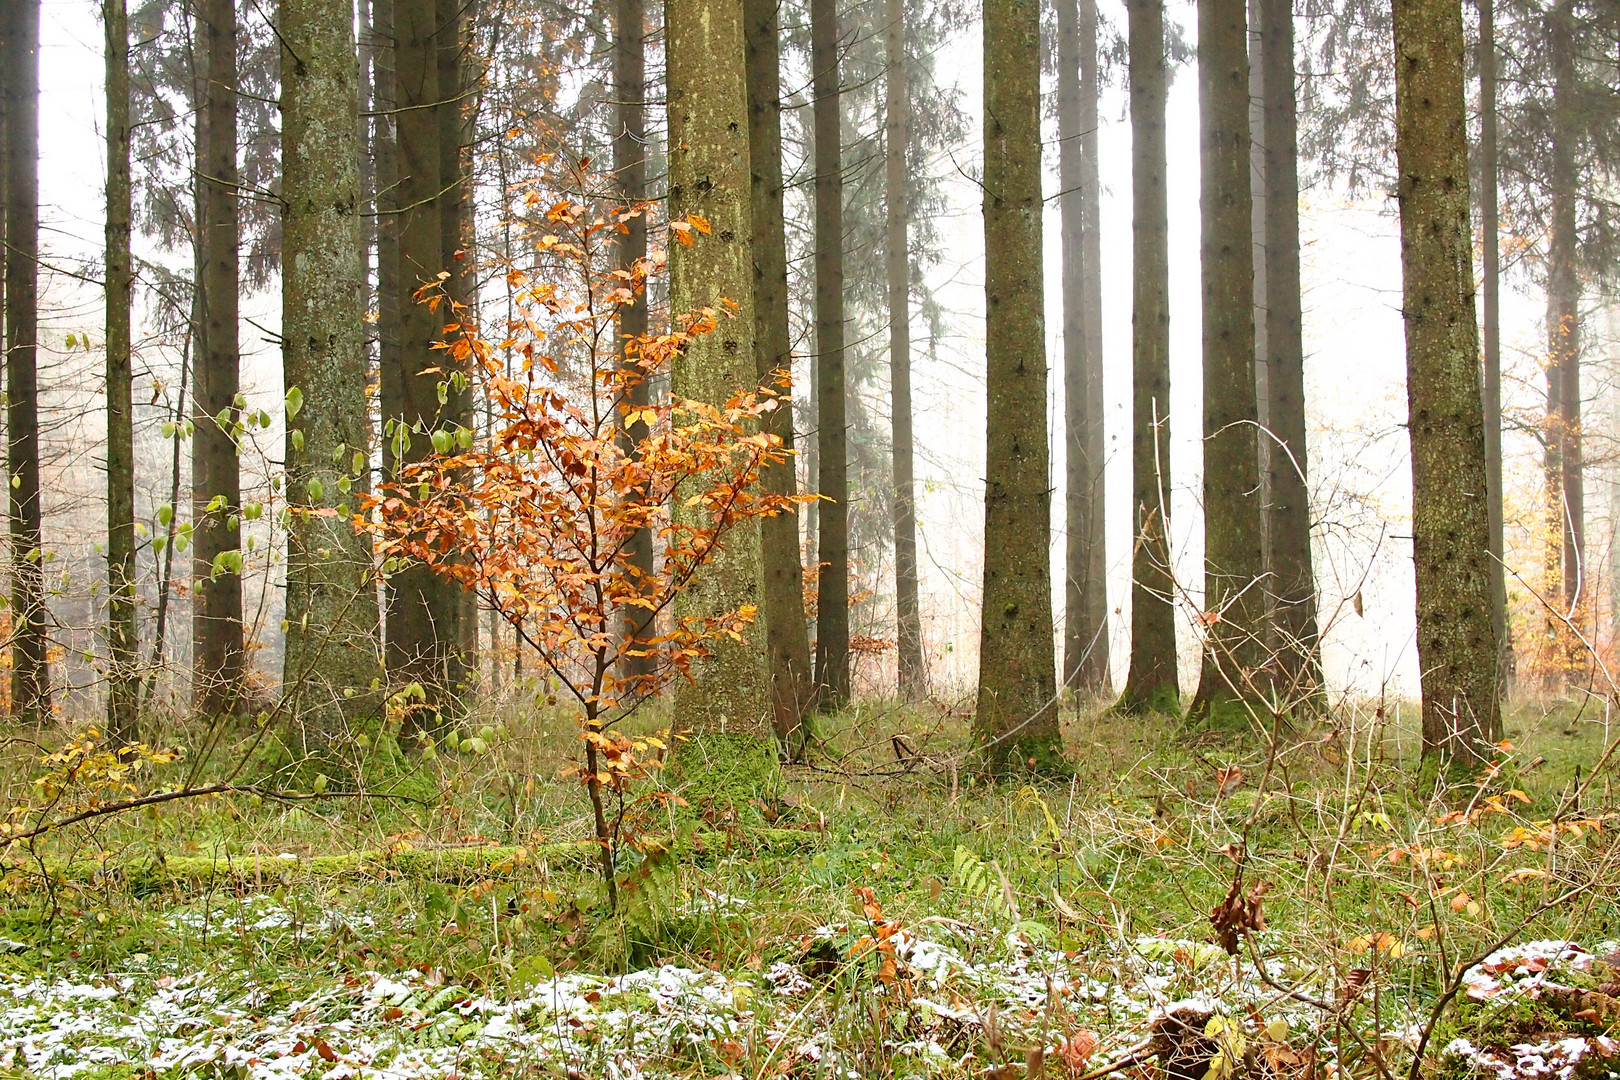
[
  {"x": 317, "y": 491},
  {"x": 441, "y": 442},
  {"x": 295, "y": 401},
  {"x": 165, "y": 514},
  {"x": 297, "y": 437}
]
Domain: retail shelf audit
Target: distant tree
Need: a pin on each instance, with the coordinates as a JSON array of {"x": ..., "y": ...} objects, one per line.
[
  {"x": 1085, "y": 633},
  {"x": 331, "y": 667},
  {"x": 1450, "y": 525},
  {"x": 729, "y": 701},
  {"x": 218, "y": 655},
  {"x": 1016, "y": 719},
  {"x": 1234, "y": 605},
  {"x": 908, "y": 617},
  {"x": 123, "y": 675},
  {"x": 30, "y": 671},
  {"x": 832, "y": 436},
  {"x": 785, "y": 627},
  {"x": 1151, "y": 684}
]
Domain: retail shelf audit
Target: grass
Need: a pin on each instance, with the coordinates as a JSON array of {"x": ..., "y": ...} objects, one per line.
[{"x": 1014, "y": 915}]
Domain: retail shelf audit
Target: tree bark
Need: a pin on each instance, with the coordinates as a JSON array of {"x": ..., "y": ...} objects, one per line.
[
  {"x": 1566, "y": 504},
  {"x": 1151, "y": 685},
  {"x": 832, "y": 580},
  {"x": 455, "y": 113},
  {"x": 123, "y": 677},
  {"x": 331, "y": 660},
  {"x": 785, "y": 628},
  {"x": 1085, "y": 637},
  {"x": 1456, "y": 641},
  {"x": 30, "y": 672},
  {"x": 709, "y": 177},
  {"x": 1016, "y": 719},
  {"x": 630, "y": 173},
  {"x": 1490, "y": 299},
  {"x": 913, "y": 677},
  {"x": 218, "y": 657},
  {"x": 1296, "y": 643},
  {"x": 1234, "y": 607},
  {"x": 423, "y": 642}
]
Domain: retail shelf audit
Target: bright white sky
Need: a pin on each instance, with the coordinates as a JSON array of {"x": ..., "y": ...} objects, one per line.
[{"x": 1355, "y": 368}]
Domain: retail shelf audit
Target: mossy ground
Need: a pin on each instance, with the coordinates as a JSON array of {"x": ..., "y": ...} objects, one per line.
[{"x": 496, "y": 878}]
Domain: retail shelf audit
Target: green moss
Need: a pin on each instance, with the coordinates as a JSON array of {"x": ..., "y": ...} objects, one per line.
[
  {"x": 1163, "y": 701},
  {"x": 1225, "y": 715},
  {"x": 1029, "y": 755},
  {"x": 723, "y": 775}
]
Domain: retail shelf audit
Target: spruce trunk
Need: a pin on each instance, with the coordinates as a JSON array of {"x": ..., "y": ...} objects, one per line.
[
  {"x": 1015, "y": 724},
  {"x": 728, "y": 700},
  {"x": 30, "y": 673},
  {"x": 1456, "y": 639},
  {"x": 1294, "y": 631},
  {"x": 786, "y": 632},
  {"x": 832, "y": 580},
  {"x": 123, "y": 676},
  {"x": 630, "y": 174},
  {"x": 218, "y": 657},
  {"x": 913, "y": 678},
  {"x": 1490, "y": 300},
  {"x": 1234, "y": 606},
  {"x": 1151, "y": 685},
  {"x": 331, "y": 661}
]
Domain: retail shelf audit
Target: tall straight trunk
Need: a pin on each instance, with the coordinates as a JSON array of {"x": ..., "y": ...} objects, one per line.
[
  {"x": 1490, "y": 299},
  {"x": 123, "y": 679},
  {"x": 331, "y": 660},
  {"x": 1565, "y": 483},
  {"x": 1614, "y": 472},
  {"x": 1016, "y": 721},
  {"x": 1456, "y": 639},
  {"x": 832, "y": 581},
  {"x": 455, "y": 113},
  {"x": 1293, "y": 582},
  {"x": 630, "y": 172},
  {"x": 1095, "y": 668},
  {"x": 218, "y": 659},
  {"x": 913, "y": 678},
  {"x": 1233, "y": 551},
  {"x": 1084, "y": 630},
  {"x": 389, "y": 311},
  {"x": 709, "y": 176},
  {"x": 424, "y": 617},
  {"x": 1151, "y": 685},
  {"x": 30, "y": 674},
  {"x": 786, "y": 633}
]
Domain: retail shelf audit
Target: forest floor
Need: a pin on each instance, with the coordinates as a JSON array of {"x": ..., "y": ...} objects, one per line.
[{"x": 882, "y": 913}]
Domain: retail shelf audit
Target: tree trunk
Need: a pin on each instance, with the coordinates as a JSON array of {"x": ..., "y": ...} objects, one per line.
[
  {"x": 218, "y": 659},
  {"x": 785, "y": 628},
  {"x": 30, "y": 673},
  {"x": 1456, "y": 640},
  {"x": 1016, "y": 721},
  {"x": 1293, "y": 582},
  {"x": 455, "y": 113},
  {"x": 913, "y": 678},
  {"x": 123, "y": 679},
  {"x": 832, "y": 580},
  {"x": 331, "y": 659},
  {"x": 1565, "y": 484},
  {"x": 630, "y": 171},
  {"x": 1490, "y": 298},
  {"x": 424, "y": 616},
  {"x": 1233, "y": 555},
  {"x": 709, "y": 176},
  {"x": 1085, "y": 638},
  {"x": 1151, "y": 685}
]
